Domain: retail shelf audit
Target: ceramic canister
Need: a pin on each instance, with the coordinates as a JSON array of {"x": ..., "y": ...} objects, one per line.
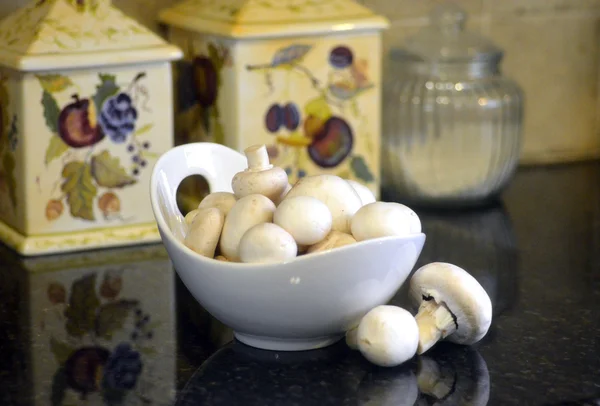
[
  {"x": 85, "y": 102},
  {"x": 302, "y": 77}
]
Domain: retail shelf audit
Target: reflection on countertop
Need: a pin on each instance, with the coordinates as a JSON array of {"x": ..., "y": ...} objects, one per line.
[{"x": 118, "y": 327}]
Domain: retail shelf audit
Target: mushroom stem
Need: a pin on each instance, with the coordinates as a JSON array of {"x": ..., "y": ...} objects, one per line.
[
  {"x": 258, "y": 158},
  {"x": 435, "y": 323}
]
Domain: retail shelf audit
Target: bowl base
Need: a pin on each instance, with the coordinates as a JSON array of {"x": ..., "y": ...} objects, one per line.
[{"x": 287, "y": 344}]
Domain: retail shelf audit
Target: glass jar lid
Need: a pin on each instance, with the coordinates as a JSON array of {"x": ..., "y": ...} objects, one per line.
[{"x": 446, "y": 40}]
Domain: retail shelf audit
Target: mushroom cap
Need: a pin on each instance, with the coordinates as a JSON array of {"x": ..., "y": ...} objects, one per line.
[
  {"x": 365, "y": 194},
  {"x": 223, "y": 201},
  {"x": 461, "y": 293},
  {"x": 388, "y": 336},
  {"x": 267, "y": 243},
  {"x": 335, "y": 192},
  {"x": 204, "y": 232},
  {"x": 384, "y": 219},
  {"x": 245, "y": 213},
  {"x": 333, "y": 240},
  {"x": 270, "y": 183},
  {"x": 306, "y": 218}
]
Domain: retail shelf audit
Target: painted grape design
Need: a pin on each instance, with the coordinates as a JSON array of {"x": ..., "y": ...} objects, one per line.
[
  {"x": 122, "y": 368},
  {"x": 333, "y": 144},
  {"x": 341, "y": 57},
  {"x": 118, "y": 117},
  {"x": 291, "y": 116},
  {"x": 110, "y": 115},
  {"x": 274, "y": 118}
]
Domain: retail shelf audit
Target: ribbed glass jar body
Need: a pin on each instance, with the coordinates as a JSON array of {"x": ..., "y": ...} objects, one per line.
[{"x": 451, "y": 131}]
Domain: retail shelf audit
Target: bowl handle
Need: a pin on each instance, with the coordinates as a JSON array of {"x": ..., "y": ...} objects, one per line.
[{"x": 215, "y": 162}]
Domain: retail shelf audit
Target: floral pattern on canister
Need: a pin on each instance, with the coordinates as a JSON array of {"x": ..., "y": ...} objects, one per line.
[
  {"x": 107, "y": 340},
  {"x": 8, "y": 144},
  {"x": 321, "y": 126},
  {"x": 84, "y": 132}
]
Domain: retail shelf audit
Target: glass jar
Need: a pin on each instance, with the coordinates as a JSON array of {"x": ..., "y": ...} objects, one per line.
[{"x": 451, "y": 122}]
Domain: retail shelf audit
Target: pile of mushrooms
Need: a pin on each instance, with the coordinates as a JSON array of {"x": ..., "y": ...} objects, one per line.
[
  {"x": 267, "y": 220},
  {"x": 451, "y": 304}
]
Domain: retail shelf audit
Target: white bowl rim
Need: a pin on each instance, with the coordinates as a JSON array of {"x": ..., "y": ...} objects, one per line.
[{"x": 168, "y": 233}]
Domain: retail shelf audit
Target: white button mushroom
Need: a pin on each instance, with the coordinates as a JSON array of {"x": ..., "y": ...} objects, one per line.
[
  {"x": 335, "y": 192},
  {"x": 334, "y": 239},
  {"x": 245, "y": 214},
  {"x": 205, "y": 230},
  {"x": 283, "y": 195},
  {"x": 351, "y": 338},
  {"x": 223, "y": 201},
  {"x": 388, "y": 336},
  {"x": 306, "y": 218},
  {"x": 267, "y": 243},
  {"x": 384, "y": 219},
  {"x": 365, "y": 194},
  {"x": 261, "y": 177},
  {"x": 189, "y": 218},
  {"x": 452, "y": 305}
]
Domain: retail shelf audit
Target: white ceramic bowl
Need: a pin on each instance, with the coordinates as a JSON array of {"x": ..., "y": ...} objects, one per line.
[{"x": 306, "y": 303}]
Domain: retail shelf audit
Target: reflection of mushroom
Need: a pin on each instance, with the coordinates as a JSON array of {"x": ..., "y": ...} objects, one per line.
[
  {"x": 267, "y": 243},
  {"x": 383, "y": 219},
  {"x": 452, "y": 305},
  {"x": 335, "y": 192},
  {"x": 261, "y": 177},
  {"x": 223, "y": 201},
  {"x": 365, "y": 194},
  {"x": 205, "y": 230},
  {"x": 306, "y": 218},
  {"x": 387, "y": 336},
  {"x": 459, "y": 376},
  {"x": 334, "y": 239},
  {"x": 245, "y": 214},
  {"x": 389, "y": 387}
]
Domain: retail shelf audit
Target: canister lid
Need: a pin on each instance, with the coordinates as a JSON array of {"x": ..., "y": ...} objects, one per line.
[
  {"x": 66, "y": 34},
  {"x": 446, "y": 40},
  {"x": 245, "y": 19}
]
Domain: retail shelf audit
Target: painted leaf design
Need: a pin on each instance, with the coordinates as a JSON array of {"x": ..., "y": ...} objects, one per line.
[
  {"x": 54, "y": 83},
  {"x": 61, "y": 350},
  {"x": 56, "y": 148},
  {"x": 8, "y": 166},
  {"x": 51, "y": 111},
  {"x": 79, "y": 189},
  {"x": 108, "y": 172},
  {"x": 107, "y": 88},
  {"x": 143, "y": 129},
  {"x": 360, "y": 169},
  {"x": 289, "y": 54},
  {"x": 112, "y": 316},
  {"x": 83, "y": 303}
]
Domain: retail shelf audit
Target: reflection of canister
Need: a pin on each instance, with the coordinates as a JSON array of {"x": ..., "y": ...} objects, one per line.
[
  {"x": 63, "y": 313},
  {"x": 85, "y": 112},
  {"x": 304, "y": 78},
  {"x": 482, "y": 242}
]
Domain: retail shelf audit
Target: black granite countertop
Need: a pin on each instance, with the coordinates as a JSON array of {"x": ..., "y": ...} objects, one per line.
[{"x": 117, "y": 327}]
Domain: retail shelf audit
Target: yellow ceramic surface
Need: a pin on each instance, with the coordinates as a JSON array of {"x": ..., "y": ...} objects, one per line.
[
  {"x": 85, "y": 100},
  {"x": 302, "y": 77}
]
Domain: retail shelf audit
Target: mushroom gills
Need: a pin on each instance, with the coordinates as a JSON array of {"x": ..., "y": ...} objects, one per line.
[{"x": 435, "y": 322}]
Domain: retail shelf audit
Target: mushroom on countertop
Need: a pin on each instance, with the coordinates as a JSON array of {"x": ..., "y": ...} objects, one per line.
[
  {"x": 223, "y": 201},
  {"x": 306, "y": 218},
  {"x": 245, "y": 214},
  {"x": 335, "y": 192},
  {"x": 260, "y": 177},
  {"x": 334, "y": 239},
  {"x": 365, "y": 194},
  {"x": 452, "y": 305},
  {"x": 267, "y": 243},
  {"x": 384, "y": 219},
  {"x": 388, "y": 336},
  {"x": 351, "y": 338},
  {"x": 204, "y": 232}
]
